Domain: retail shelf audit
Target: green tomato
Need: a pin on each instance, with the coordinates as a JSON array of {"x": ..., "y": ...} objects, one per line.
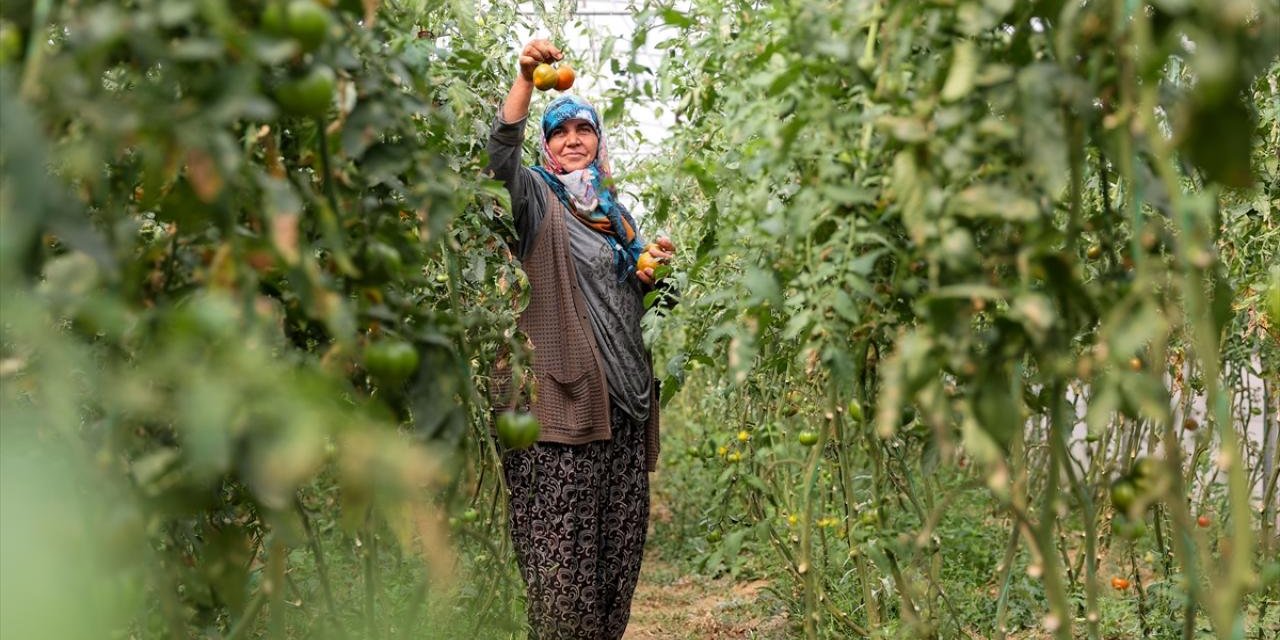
[
  {"x": 272, "y": 20},
  {"x": 308, "y": 95},
  {"x": 808, "y": 438},
  {"x": 518, "y": 430},
  {"x": 10, "y": 42},
  {"x": 1129, "y": 529},
  {"x": 381, "y": 262},
  {"x": 308, "y": 23},
  {"x": 305, "y": 21},
  {"x": 1123, "y": 494},
  {"x": 470, "y": 515},
  {"x": 855, "y": 411},
  {"x": 1146, "y": 473},
  {"x": 391, "y": 362}
]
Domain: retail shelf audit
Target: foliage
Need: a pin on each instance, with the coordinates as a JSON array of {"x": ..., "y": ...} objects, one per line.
[
  {"x": 1002, "y": 230},
  {"x": 219, "y": 235},
  {"x": 991, "y": 256}
]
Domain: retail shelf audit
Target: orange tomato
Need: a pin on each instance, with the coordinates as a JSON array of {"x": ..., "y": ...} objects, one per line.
[
  {"x": 565, "y": 77},
  {"x": 646, "y": 261},
  {"x": 1119, "y": 584}
]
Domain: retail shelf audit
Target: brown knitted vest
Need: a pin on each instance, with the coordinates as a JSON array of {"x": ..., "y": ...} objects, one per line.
[{"x": 570, "y": 391}]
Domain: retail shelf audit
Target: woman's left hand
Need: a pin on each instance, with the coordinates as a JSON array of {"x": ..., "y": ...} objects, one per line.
[{"x": 662, "y": 251}]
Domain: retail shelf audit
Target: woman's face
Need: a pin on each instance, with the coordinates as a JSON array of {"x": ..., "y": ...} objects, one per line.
[{"x": 574, "y": 144}]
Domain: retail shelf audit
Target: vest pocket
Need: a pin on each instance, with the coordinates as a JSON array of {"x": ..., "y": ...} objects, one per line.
[
  {"x": 567, "y": 370},
  {"x": 574, "y": 390},
  {"x": 566, "y": 407}
]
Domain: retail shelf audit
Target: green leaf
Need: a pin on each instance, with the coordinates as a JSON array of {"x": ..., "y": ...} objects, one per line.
[
  {"x": 1131, "y": 330},
  {"x": 996, "y": 409},
  {"x": 1103, "y": 405},
  {"x": 964, "y": 65},
  {"x": 994, "y": 201},
  {"x": 760, "y": 285},
  {"x": 676, "y": 18},
  {"x": 863, "y": 264},
  {"x": 904, "y": 129}
]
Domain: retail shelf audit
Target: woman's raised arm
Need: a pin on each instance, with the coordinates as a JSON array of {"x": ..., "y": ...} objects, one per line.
[{"x": 537, "y": 52}]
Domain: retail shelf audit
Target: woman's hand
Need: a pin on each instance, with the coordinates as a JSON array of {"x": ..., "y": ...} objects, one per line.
[
  {"x": 537, "y": 52},
  {"x": 662, "y": 251}
]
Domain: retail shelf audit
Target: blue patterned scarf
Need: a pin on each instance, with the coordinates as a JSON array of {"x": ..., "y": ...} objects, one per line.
[{"x": 579, "y": 190}]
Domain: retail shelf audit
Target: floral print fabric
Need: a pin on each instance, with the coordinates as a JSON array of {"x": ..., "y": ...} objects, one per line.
[{"x": 579, "y": 517}]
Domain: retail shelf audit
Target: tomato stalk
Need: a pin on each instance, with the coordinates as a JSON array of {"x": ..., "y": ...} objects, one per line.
[
  {"x": 805, "y": 556},
  {"x": 32, "y": 76},
  {"x": 1226, "y": 607},
  {"x": 1055, "y": 585},
  {"x": 249, "y": 616},
  {"x": 322, "y": 567},
  {"x": 1062, "y": 422},
  {"x": 274, "y": 584},
  {"x": 1142, "y": 595},
  {"x": 370, "y": 573},
  {"x": 1006, "y": 568}
]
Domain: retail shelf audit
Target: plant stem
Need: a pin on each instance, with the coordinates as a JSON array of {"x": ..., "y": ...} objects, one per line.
[
  {"x": 322, "y": 569},
  {"x": 249, "y": 616}
]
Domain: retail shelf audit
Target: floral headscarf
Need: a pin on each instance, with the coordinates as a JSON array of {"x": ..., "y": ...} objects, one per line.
[{"x": 589, "y": 192}]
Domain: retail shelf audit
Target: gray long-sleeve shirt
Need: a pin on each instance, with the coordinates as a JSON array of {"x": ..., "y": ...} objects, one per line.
[{"x": 615, "y": 308}]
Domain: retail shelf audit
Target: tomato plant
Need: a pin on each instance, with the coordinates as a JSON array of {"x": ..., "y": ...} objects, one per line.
[
  {"x": 956, "y": 274},
  {"x": 222, "y": 216},
  {"x": 1001, "y": 229}
]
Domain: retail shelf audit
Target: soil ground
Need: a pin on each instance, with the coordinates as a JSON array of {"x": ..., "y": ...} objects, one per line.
[{"x": 672, "y": 606}]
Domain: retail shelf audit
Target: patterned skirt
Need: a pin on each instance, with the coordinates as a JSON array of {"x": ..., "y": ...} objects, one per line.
[{"x": 579, "y": 516}]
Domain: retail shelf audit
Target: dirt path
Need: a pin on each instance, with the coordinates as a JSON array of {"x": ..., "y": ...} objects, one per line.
[{"x": 672, "y": 606}]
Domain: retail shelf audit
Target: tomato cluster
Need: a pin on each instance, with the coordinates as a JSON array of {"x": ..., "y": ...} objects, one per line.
[
  {"x": 547, "y": 77},
  {"x": 1132, "y": 493}
]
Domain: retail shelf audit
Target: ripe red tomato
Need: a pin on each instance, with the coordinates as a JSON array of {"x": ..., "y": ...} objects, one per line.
[
  {"x": 564, "y": 77},
  {"x": 1204, "y": 521}
]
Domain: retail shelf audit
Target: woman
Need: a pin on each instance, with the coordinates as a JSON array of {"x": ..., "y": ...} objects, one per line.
[{"x": 579, "y": 498}]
